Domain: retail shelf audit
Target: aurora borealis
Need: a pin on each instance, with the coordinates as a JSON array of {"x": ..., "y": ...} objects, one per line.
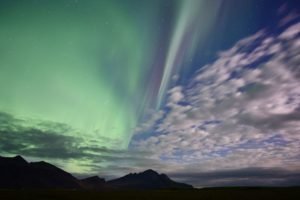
[
  {"x": 74, "y": 65},
  {"x": 115, "y": 86}
]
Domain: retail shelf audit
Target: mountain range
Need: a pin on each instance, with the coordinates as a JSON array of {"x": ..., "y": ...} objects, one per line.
[{"x": 16, "y": 172}]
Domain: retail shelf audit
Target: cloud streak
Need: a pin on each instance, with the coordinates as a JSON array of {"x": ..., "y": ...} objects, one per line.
[{"x": 242, "y": 177}]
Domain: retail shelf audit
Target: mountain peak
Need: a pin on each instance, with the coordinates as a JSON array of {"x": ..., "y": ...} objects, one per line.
[
  {"x": 16, "y": 172},
  {"x": 94, "y": 179},
  {"x": 20, "y": 159},
  {"x": 17, "y": 160},
  {"x": 149, "y": 172},
  {"x": 93, "y": 182},
  {"x": 148, "y": 179}
]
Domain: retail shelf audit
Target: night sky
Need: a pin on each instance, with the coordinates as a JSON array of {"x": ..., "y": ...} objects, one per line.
[{"x": 207, "y": 91}]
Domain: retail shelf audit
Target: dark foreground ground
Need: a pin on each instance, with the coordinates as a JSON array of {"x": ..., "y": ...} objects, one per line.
[{"x": 203, "y": 194}]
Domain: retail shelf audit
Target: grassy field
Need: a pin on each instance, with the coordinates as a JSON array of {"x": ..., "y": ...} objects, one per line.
[{"x": 202, "y": 194}]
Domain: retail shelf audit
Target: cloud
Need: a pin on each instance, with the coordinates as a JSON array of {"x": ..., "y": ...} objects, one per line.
[
  {"x": 16, "y": 138},
  {"x": 241, "y": 111},
  {"x": 242, "y": 177},
  {"x": 150, "y": 119},
  {"x": 58, "y": 144}
]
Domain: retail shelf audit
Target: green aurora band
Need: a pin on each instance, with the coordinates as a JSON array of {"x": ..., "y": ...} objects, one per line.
[
  {"x": 92, "y": 65},
  {"x": 82, "y": 67}
]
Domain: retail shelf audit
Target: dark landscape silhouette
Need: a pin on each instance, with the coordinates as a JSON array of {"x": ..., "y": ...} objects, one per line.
[
  {"x": 20, "y": 179},
  {"x": 17, "y": 173}
]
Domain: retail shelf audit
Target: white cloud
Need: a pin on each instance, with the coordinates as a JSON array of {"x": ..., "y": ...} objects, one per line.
[
  {"x": 150, "y": 120},
  {"x": 243, "y": 110}
]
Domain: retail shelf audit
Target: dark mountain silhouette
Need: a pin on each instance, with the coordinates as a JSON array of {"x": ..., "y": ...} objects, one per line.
[
  {"x": 94, "y": 182},
  {"x": 148, "y": 179},
  {"x": 16, "y": 172}
]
